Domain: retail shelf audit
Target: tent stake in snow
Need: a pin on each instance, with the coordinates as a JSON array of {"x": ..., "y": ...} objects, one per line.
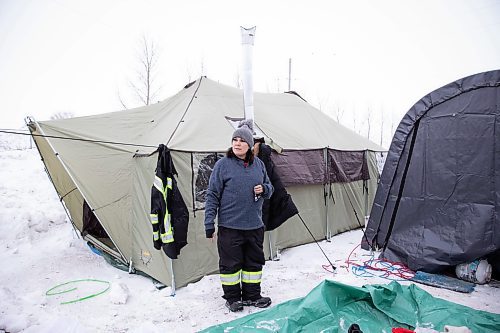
[{"x": 329, "y": 261}]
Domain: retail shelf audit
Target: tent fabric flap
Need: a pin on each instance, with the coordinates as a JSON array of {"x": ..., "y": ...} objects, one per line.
[
  {"x": 334, "y": 307},
  {"x": 347, "y": 166},
  {"x": 300, "y": 167},
  {"x": 308, "y": 167}
]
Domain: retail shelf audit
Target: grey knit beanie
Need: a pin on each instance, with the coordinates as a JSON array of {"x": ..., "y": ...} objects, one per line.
[{"x": 245, "y": 132}]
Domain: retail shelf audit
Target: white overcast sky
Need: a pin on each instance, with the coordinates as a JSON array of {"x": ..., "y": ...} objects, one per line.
[{"x": 365, "y": 58}]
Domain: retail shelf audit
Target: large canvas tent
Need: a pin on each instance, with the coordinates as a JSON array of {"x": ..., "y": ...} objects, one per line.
[
  {"x": 107, "y": 164},
  {"x": 438, "y": 201}
]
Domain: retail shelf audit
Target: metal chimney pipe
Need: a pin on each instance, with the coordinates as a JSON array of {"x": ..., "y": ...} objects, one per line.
[{"x": 247, "y": 37}]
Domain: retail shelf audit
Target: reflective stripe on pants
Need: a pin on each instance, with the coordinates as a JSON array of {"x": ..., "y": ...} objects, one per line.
[
  {"x": 251, "y": 277},
  {"x": 230, "y": 279}
]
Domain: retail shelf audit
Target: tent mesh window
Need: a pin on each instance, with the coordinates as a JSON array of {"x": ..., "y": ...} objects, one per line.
[{"x": 203, "y": 164}]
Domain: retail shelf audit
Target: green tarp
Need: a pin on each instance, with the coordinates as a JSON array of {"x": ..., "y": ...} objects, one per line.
[{"x": 333, "y": 307}]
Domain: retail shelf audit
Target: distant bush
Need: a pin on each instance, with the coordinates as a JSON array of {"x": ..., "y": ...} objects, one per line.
[
  {"x": 62, "y": 115},
  {"x": 15, "y": 141}
]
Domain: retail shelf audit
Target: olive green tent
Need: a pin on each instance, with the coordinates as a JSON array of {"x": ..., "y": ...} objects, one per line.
[{"x": 106, "y": 162}]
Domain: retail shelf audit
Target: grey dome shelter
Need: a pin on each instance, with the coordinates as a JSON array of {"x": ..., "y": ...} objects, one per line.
[{"x": 438, "y": 201}]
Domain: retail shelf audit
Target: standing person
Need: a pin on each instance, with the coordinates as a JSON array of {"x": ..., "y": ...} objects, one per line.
[{"x": 237, "y": 188}]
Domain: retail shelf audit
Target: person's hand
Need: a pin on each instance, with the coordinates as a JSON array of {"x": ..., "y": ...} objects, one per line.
[
  {"x": 210, "y": 233},
  {"x": 258, "y": 189}
]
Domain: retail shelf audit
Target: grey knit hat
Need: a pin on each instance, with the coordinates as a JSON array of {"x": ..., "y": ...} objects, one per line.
[{"x": 245, "y": 131}]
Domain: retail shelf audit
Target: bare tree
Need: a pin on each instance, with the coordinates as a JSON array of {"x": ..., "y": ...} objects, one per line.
[
  {"x": 381, "y": 126},
  {"x": 392, "y": 122},
  {"x": 320, "y": 104},
  {"x": 188, "y": 71},
  {"x": 354, "y": 118},
  {"x": 340, "y": 113},
  {"x": 202, "y": 66},
  {"x": 146, "y": 89},
  {"x": 122, "y": 102},
  {"x": 368, "y": 122},
  {"x": 144, "y": 85},
  {"x": 322, "y": 101},
  {"x": 62, "y": 115}
]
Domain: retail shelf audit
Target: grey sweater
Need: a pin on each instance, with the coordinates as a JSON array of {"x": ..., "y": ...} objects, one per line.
[{"x": 230, "y": 194}]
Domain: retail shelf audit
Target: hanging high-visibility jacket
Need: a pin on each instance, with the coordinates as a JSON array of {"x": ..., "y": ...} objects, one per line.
[{"x": 169, "y": 214}]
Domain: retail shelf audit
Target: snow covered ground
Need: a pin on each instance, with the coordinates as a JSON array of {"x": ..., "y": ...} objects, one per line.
[{"x": 40, "y": 250}]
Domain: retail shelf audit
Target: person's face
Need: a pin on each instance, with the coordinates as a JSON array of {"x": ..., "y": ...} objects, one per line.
[{"x": 240, "y": 147}]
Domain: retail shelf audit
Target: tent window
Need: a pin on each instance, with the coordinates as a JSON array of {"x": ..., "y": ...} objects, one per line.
[{"x": 203, "y": 164}]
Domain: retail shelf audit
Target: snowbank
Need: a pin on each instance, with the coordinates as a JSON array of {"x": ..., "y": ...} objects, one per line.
[{"x": 39, "y": 250}]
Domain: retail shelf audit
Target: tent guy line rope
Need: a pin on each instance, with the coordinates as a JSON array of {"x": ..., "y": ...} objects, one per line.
[
  {"x": 356, "y": 214},
  {"x": 329, "y": 261},
  {"x": 75, "y": 139}
]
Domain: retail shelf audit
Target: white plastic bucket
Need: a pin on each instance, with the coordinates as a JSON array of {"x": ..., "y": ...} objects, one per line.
[{"x": 478, "y": 271}]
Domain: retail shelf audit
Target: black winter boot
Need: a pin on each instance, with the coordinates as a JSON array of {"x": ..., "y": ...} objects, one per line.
[
  {"x": 262, "y": 302},
  {"x": 234, "y": 306}
]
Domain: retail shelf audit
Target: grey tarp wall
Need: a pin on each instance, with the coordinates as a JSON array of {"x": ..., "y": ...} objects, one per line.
[
  {"x": 109, "y": 162},
  {"x": 438, "y": 201}
]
